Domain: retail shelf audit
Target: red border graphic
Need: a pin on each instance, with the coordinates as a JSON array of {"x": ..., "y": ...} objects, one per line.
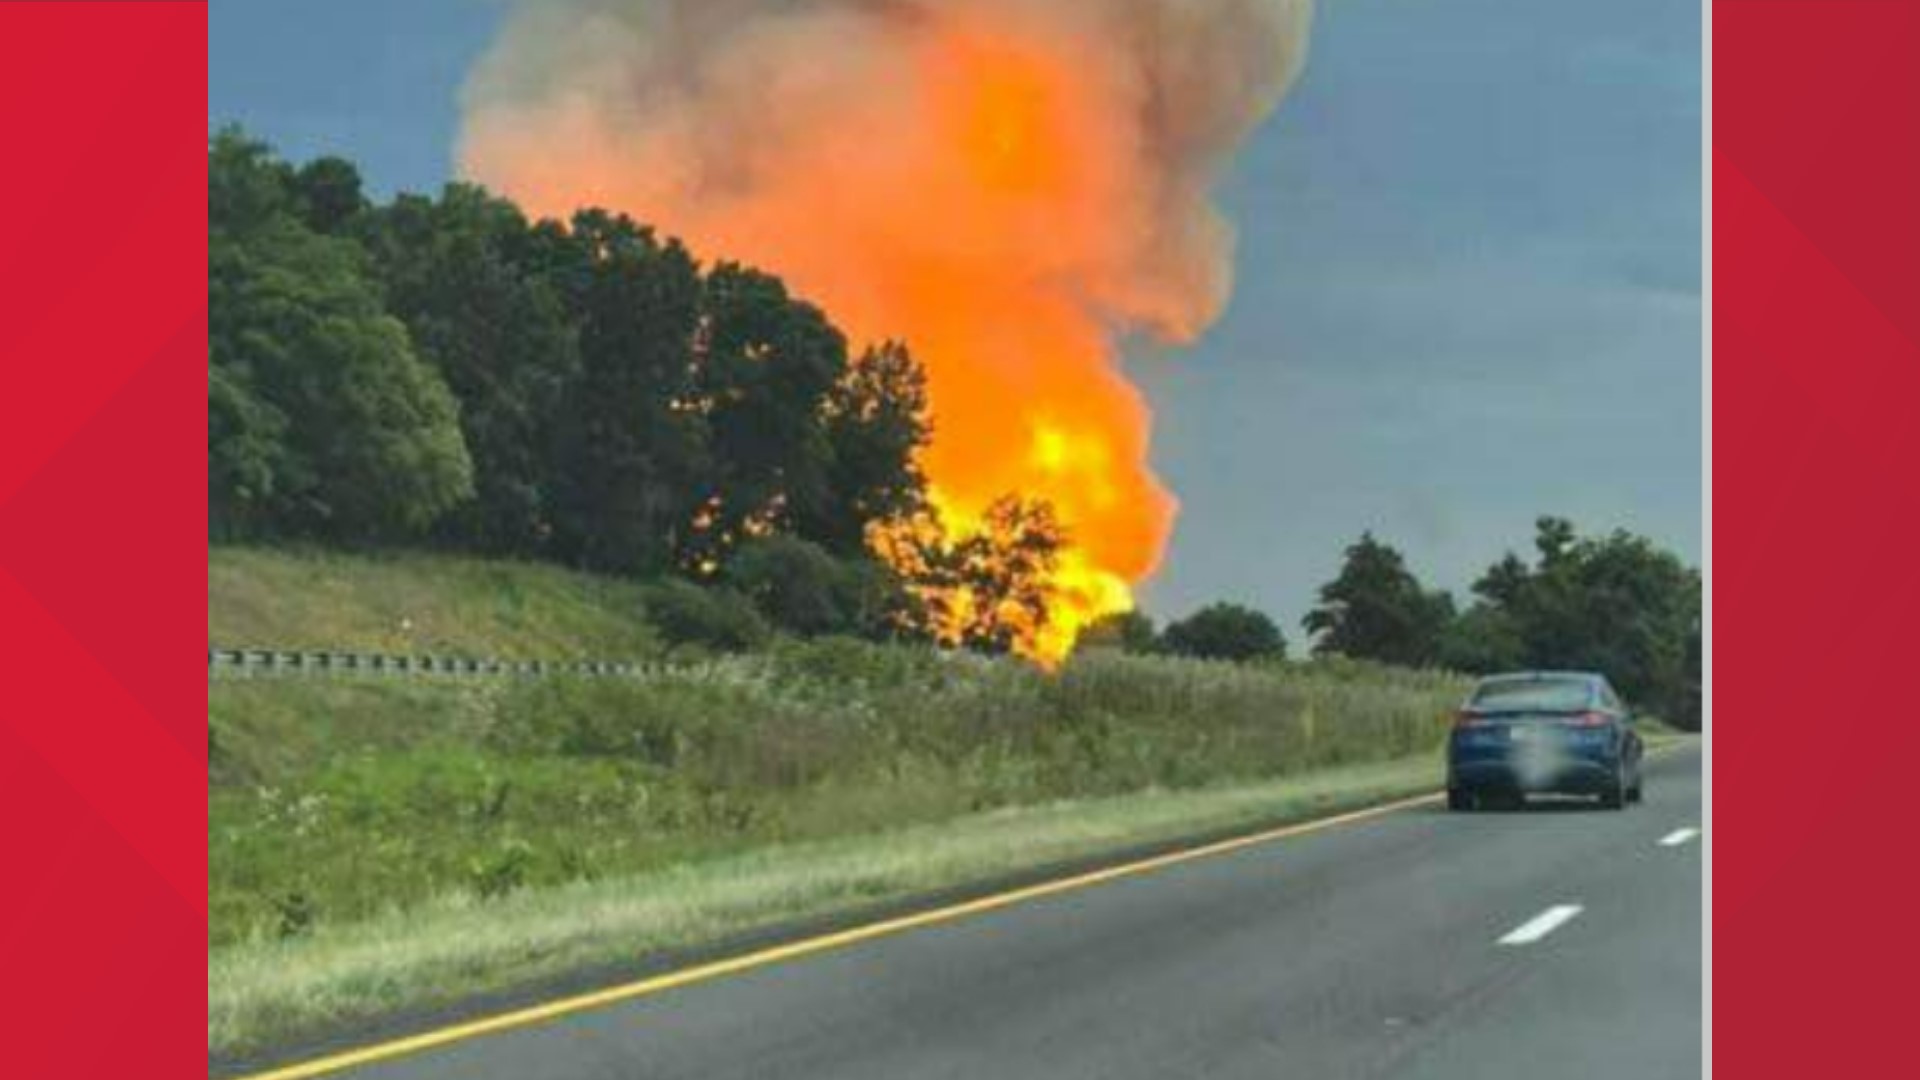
[
  {"x": 1816, "y": 395},
  {"x": 103, "y": 326}
]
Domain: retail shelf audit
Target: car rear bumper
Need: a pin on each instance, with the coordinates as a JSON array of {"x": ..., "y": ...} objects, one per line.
[{"x": 1565, "y": 776}]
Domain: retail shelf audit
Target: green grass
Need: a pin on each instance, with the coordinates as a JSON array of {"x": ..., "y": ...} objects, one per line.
[
  {"x": 455, "y": 943},
  {"x": 379, "y": 843},
  {"x": 364, "y": 833},
  {"x": 421, "y": 603},
  {"x": 332, "y": 801}
]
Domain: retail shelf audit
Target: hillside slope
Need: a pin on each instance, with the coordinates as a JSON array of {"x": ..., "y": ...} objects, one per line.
[{"x": 420, "y": 603}]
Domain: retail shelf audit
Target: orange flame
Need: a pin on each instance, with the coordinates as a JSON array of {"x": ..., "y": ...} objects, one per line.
[{"x": 979, "y": 178}]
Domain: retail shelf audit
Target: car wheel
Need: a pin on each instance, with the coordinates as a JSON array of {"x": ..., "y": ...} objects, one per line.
[
  {"x": 1458, "y": 800},
  {"x": 1615, "y": 796},
  {"x": 1638, "y": 792}
]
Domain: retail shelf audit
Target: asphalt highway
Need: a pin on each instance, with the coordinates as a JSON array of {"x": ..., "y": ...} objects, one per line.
[{"x": 1563, "y": 941}]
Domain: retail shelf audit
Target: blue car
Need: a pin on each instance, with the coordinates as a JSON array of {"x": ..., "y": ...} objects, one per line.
[{"x": 1544, "y": 732}]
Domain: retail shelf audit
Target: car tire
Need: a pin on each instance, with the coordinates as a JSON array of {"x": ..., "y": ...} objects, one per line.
[
  {"x": 1638, "y": 792},
  {"x": 1458, "y": 800},
  {"x": 1615, "y": 796}
]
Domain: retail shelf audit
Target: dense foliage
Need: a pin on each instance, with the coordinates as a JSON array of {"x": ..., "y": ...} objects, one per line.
[
  {"x": 1225, "y": 632},
  {"x": 444, "y": 372},
  {"x": 322, "y": 418},
  {"x": 442, "y": 369},
  {"x": 1615, "y": 604},
  {"x": 1377, "y": 609}
]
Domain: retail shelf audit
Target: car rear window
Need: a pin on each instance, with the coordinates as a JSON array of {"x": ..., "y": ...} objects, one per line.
[{"x": 1532, "y": 695}]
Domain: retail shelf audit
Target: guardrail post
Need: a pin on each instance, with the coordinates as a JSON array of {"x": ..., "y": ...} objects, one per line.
[{"x": 245, "y": 661}]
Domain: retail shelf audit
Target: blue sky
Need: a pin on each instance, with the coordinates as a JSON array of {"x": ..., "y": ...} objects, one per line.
[{"x": 1469, "y": 287}]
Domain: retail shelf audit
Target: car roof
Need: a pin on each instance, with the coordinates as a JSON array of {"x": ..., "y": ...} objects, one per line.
[{"x": 1545, "y": 676}]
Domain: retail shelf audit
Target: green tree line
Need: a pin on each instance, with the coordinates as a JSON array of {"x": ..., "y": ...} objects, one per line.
[
  {"x": 1616, "y": 604},
  {"x": 444, "y": 371}
]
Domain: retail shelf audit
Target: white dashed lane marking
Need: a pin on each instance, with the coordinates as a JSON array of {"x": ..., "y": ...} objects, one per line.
[{"x": 1542, "y": 924}]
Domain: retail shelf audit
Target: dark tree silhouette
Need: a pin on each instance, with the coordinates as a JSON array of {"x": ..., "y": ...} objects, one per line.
[{"x": 1225, "y": 632}]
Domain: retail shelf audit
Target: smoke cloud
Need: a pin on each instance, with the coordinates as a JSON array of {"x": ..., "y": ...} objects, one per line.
[{"x": 1010, "y": 186}]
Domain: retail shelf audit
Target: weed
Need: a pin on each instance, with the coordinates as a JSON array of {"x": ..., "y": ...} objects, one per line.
[{"x": 503, "y": 872}]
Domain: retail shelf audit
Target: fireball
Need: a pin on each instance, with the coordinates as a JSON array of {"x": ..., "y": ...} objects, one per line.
[{"x": 1013, "y": 187}]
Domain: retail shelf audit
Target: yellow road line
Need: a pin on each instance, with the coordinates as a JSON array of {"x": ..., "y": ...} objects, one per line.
[{"x": 536, "y": 1014}]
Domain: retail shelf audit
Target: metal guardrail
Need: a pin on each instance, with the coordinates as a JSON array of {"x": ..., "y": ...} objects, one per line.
[{"x": 253, "y": 661}]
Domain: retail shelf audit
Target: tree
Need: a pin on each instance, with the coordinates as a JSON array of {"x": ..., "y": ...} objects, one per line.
[
  {"x": 1555, "y": 539},
  {"x": 633, "y": 455},
  {"x": 1225, "y": 632},
  {"x": 1482, "y": 640},
  {"x": 1688, "y": 710},
  {"x": 322, "y": 419},
  {"x": 876, "y": 421},
  {"x": 764, "y": 364},
  {"x": 1505, "y": 582},
  {"x": 326, "y": 193},
  {"x": 246, "y": 185},
  {"x": 372, "y": 438},
  {"x": 582, "y": 391},
  {"x": 1005, "y": 573},
  {"x": 246, "y": 454},
  {"x": 1615, "y": 604},
  {"x": 465, "y": 274},
  {"x": 1377, "y": 610},
  {"x": 989, "y": 588}
]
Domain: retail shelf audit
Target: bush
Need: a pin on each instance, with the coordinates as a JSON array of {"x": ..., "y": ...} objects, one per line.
[
  {"x": 1225, "y": 632},
  {"x": 802, "y": 589},
  {"x": 1127, "y": 631},
  {"x": 713, "y": 618},
  {"x": 838, "y": 666},
  {"x": 599, "y": 719}
]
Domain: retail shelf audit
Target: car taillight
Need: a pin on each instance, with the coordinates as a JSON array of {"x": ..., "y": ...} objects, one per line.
[
  {"x": 1468, "y": 718},
  {"x": 1590, "y": 719}
]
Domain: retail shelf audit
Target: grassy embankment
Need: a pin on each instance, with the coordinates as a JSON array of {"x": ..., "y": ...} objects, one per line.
[
  {"x": 421, "y": 604},
  {"x": 378, "y": 844}
]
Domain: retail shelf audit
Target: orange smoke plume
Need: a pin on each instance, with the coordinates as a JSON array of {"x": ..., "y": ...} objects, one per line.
[{"x": 1012, "y": 187}]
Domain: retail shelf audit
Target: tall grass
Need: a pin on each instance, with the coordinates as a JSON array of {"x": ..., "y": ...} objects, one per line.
[
  {"x": 335, "y": 802},
  {"x": 458, "y": 942},
  {"x": 379, "y": 843}
]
